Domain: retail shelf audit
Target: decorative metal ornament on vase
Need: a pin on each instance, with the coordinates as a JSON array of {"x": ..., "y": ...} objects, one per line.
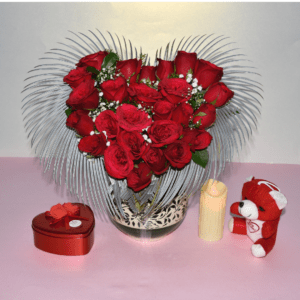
[{"x": 45, "y": 121}]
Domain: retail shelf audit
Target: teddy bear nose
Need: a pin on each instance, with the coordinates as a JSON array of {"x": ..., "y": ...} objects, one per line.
[{"x": 241, "y": 204}]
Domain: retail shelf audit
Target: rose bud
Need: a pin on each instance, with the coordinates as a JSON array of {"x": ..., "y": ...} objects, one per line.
[
  {"x": 183, "y": 114},
  {"x": 84, "y": 96},
  {"x": 178, "y": 154},
  {"x": 205, "y": 120},
  {"x": 155, "y": 159},
  {"x": 139, "y": 177},
  {"x": 81, "y": 122},
  {"x": 73, "y": 118},
  {"x": 185, "y": 61},
  {"x": 175, "y": 90},
  {"x": 202, "y": 140},
  {"x": 133, "y": 142},
  {"x": 132, "y": 119},
  {"x": 164, "y": 132},
  {"x": 164, "y": 69},
  {"x": 163, "y": 110},
  {"x": 93, "y": 60},
  {"x": 75, "y": 77},
  {"x": 93, "y": 144},
  {"x": 148, "y": 72},
  {"x": 143, "y": 94},
  {"x": 207, "y": 73},
  {"x": 115, "y": 90},
  {"x": 198, "y": 139},
  {"x": 117, "y": 161},
  {"x": 107, "y": 121},
  {"x": 220, "y": 92},
  {"x": 129, "y": 68}
]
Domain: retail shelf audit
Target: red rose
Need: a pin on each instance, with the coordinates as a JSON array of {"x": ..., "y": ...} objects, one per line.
[
  {"x": 132, "y": 119},
  {"x": 163, "y": 110},
  {"x": 185, "y": 61},
  {"x": 178, "y": 154},
  {"x": 183, "y": 114},
  {"x": 115, "y": 90},
  {"x": 198, "y": 139},
  {"x": 220, "y": 92},
  {"x": 75, "y": 77},
  {"x": 73, "y": 118},
  {"x": 81, "y": 122},
  {"x": 84, "y": 96},
  {"x": 93, "y": 144},
  {"x": 208, "y": 119},
  {"x": 164, "y": 132},
  {"x": 93, "y": 60},
  {"x": 133, "y": 142},
  {"x": 164, "y": 69},
  {"x": 107, "y": 121},
  {"x": 148, "y": 72},
  {"x": 139, "y": 177},
  {"x": 144, "y": 94},
  {"x": 207, "y": 73},
  {"x": 118, "y": 164},
  {"x": 175, "y": 90},
  {"x": 129, "y": 68},
  {"x": 155, "y": 159}
]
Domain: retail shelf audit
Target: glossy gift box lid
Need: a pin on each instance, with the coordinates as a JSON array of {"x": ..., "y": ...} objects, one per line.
[{"x": 65, "y": 232}]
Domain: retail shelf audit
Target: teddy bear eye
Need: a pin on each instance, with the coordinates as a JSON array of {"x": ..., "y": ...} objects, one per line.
[{"x": 261, "y": 209}]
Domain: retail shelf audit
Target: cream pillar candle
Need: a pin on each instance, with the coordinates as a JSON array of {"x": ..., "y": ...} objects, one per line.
[{"x": 212, "y": 210}]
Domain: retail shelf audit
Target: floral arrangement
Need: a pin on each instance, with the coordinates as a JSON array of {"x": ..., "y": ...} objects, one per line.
[
  {"x": 161, "y": 130},
  {"x": 144, "y": 119}
]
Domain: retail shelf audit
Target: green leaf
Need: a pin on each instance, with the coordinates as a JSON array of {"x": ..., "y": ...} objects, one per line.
[
  {"x": 68, "y": 111},
  {"x": 200, "y": 114},
  {"x": 200, "y": 157},
  {"x": 110, "y": 60},
  {"x": 174, "y": 75},
  {"x": 92, "y": 70},
  {"x": 190, "y": 71},
  {"x": 214, "y": 102}
]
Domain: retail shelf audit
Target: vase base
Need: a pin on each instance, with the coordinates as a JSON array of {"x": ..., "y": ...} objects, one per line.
[{"x": 143, "y": 235}]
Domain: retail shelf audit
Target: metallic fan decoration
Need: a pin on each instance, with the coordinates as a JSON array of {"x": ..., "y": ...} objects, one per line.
[{"x": 45, "y": 121}]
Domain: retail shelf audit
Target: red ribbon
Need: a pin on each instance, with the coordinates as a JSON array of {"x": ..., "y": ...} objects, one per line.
[{"x": 60, "y": 212}]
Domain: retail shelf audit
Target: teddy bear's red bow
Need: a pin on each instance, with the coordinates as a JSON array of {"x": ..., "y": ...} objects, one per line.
[{"x": 60, "y": 212}]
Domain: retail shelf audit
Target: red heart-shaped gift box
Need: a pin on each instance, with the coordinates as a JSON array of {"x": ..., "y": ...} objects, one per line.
[{"x": 72, "y": 234}]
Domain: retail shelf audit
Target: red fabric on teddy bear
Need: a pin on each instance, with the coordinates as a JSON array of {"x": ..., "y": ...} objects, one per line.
[{"x": 261, "y": 207}]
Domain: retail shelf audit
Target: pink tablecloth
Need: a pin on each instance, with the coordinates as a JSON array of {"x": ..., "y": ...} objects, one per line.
[{"x": 181, "y": 266}]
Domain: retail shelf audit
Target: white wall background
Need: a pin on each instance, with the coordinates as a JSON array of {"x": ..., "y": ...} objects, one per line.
[{"x": 268, "y": 33}]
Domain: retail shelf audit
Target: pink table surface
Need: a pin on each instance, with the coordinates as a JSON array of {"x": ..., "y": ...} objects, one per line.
[{"x": 180, "y": 266}]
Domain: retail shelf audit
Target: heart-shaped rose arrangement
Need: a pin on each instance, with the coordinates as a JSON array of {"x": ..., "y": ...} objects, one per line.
[{"x": 144, "y": 119}]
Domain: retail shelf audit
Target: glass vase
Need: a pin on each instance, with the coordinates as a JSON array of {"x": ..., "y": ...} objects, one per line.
[{"x": 161, "y": 222}]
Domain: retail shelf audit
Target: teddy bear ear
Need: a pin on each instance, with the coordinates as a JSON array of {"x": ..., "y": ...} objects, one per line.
[
  {"x": 249, "y": 178},
  {"x": 280, "y": 199}
]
